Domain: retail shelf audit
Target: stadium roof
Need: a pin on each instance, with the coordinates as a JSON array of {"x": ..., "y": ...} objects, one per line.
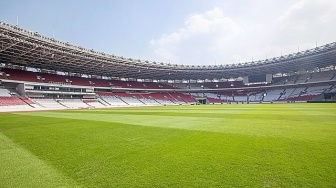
[{"x": 21, "y": 47}]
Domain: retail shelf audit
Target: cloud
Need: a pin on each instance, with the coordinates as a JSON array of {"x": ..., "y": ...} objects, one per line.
[
  {"x": 303, "y": 24},
  {"x": 201, "y": 34},
  {"x": 305, "y": 11},
  {"x": 213, "y": 37},
  {"x": 165, "y": 54}
]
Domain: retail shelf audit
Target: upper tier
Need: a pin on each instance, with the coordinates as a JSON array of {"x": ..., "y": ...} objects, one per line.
[{"x": 22, "y": 47}]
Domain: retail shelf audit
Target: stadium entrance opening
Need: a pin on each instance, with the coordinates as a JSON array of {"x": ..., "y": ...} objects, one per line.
[
  {"x": 329, "y": 96},
  {"x": 201, "y": 100}
]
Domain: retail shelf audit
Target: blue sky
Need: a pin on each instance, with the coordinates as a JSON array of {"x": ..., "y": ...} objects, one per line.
[{"x": 181, "y": 32}]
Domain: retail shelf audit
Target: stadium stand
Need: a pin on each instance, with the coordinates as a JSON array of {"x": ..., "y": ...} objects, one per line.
[
  {"x": 94, "y": 103},
  {"x": 10, "y": 101},
  {"x": 122, "y": 98},
  {"x": 3, "y": 75},
  {"x": 118, "y": 81},
  {"x": 110, "y": 99},
  {"x": 74, "y": 80},
  {"x": 147, "y": 99},
  {"x": 21, "y": 75},
  {"x": 51, "y": 78},
  {"x": 273, "y": 95},
  {"x": 187, "y": 98},
  {"x": 73, "y": 103},
  {"x": 240, "y": 98},
  {"x": 322, "y": 76},
  {"x": 163, "y": 98},
  {"x": 100, "y": 82},
  {"x": 130, "y": 99},
  {"x": 4, "y": 93},
  {"x": 49, "y": 103}
]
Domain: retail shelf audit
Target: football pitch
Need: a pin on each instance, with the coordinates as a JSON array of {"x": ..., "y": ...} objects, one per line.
[{"x": 240, "y": 145}]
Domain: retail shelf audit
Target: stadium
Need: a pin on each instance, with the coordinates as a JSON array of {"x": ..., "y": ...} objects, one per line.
[
  {"x": 117, "y": 81},
  {"x": 67, "y": 76},
  {"x": 75, "y": 117}
]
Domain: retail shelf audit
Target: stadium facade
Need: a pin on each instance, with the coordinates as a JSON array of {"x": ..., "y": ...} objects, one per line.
[{"x": 38, "y": 72}]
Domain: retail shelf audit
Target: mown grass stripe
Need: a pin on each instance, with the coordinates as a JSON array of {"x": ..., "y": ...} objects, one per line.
[
  {"x": 21, "y": 168},
  {"x": 243, "y": 123}
]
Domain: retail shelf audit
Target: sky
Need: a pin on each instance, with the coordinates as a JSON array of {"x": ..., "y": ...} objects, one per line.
[{"x": 188, "y": 32}]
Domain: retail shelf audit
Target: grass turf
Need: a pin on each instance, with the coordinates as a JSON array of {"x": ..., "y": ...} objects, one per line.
[{"x": 255, "y": 145}]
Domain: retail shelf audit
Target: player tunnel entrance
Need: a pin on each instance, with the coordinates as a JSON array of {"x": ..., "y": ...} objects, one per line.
[{"x": 201, "y": 100}]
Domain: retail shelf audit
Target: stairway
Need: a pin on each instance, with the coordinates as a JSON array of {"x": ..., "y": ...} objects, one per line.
[
  {"x": 60, "y": 103},
  {"x": 26, "y": 102}
]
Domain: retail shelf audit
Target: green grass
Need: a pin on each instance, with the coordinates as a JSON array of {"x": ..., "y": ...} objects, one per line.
[{"x": 256, "y": 145}]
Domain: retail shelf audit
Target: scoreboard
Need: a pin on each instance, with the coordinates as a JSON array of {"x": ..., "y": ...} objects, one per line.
[{"x": 260, "y": 78}]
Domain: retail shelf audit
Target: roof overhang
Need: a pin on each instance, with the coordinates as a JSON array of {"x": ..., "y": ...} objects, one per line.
[{"x": 26, "y": 48}]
